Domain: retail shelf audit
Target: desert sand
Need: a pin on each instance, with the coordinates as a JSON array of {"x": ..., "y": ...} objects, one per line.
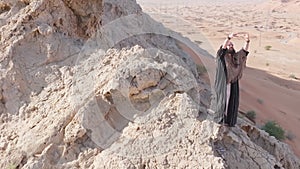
[{"x": 271, "y": 83}]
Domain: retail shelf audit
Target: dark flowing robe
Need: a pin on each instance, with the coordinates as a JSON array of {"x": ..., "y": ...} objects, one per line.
[
  {"x": 219, "y": 93},
  {"x": 229, "y": 70}
]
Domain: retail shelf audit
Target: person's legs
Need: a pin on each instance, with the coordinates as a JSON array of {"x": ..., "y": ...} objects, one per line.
[
  {"x": 233, "y": 105},
  {"x": 227, "y": 98}
]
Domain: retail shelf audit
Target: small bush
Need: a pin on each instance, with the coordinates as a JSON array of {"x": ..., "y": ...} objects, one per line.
[
  {"x": 290, "y": 136},
  {"x": 274, "y": 129},
  {"x": 251, "y": 115},
  {"x": 198, "y": 42},
  {"x": 268, "y": 47},
  {"x": 201, "y": 69},
  {"x": 260, "y": 101}
]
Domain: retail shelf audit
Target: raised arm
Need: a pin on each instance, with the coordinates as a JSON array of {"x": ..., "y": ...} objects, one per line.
[
  {"x": 227, "y": 40},
  {"x": 246, "y": 45}
]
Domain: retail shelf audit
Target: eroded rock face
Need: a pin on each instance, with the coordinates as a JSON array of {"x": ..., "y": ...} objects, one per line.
[
  {"x": 136, "y": 81},
  {"x": 99, "y": 84},
  {"x": 34, "y": 37},
  {"x": 279, "y": 150}
]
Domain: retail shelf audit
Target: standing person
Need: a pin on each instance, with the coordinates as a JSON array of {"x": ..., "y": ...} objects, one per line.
[{"x": 230, "y": 66}]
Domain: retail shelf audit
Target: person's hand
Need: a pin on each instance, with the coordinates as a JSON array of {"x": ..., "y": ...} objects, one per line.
[
  {"x": 246, "y": 37},
  {"x": 232, "y": 35}
]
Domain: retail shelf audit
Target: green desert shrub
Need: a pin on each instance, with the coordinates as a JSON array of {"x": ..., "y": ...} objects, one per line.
[{"x": 274, "y": 129}]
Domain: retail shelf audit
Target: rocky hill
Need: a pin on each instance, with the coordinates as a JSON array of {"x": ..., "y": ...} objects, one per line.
[{"x": 99, "y": 84}]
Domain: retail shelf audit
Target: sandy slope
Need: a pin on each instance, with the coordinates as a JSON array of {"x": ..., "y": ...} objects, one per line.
[
  {"x": 272, "y": 98},
  {"x": 271, "y": 85}
]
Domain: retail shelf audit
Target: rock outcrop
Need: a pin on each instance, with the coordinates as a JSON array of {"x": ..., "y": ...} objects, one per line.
[{"x": 99, "y": 84}]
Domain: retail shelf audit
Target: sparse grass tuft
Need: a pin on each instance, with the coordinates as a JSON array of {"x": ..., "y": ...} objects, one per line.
[
  {"x": 290, "y": 136},
  {"x": 260, "y": 101},
  {"x": 198, "y": 42},
  {"x": 268, "y": 47},
  {"x": 251, "y": 115}
]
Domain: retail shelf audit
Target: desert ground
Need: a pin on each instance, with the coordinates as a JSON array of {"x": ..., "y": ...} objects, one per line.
[{"x": 271, "y": 83}]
